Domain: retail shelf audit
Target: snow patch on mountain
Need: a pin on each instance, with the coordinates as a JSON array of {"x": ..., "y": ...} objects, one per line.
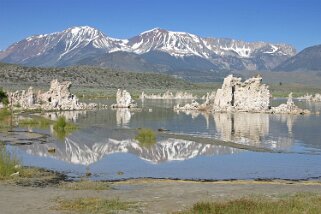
[{"x": 77, "y": 42}]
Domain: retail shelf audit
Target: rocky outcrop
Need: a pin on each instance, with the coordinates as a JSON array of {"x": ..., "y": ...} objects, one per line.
[
  {"x": 209, "y": 101},
  {"x": 237, "y": 96},
  {"x": 58, "y": 97},
  {"x": 311, "y": 98},
  {"x": 288, "y": 108},
  {"x": 123, "y": 100},
  {"x": 169, "y": 96},
  {"x": 194, "y": 105}
]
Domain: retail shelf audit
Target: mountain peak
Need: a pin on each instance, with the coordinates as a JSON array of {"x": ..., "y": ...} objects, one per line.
[
  {"x": 153, "y": 30},
  {"x": 79, "y": 42},
  {"x": 85, "y": 31}
]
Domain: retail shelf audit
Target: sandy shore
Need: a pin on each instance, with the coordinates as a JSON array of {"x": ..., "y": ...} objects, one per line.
[{"x": 152, "y": 195}]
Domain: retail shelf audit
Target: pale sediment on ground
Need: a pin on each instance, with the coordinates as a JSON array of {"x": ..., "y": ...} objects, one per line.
[{"x": 151, "y": 195}]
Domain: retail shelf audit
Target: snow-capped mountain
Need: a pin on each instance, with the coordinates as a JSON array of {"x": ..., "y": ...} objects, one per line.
[
  {"x": 179, "y": 44},
  {"x": 156, "y": 49},
  {"x": 56, "y": 48}
]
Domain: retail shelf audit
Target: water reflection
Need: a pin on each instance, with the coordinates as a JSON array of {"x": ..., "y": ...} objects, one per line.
[
  {"x": 72, "y": 116},
  {"x": 123, "y": 116},
  {"x": 288, "y": 119},
  {"x": 250, "y": 128},
  {"x": 78, "y": 151},
  {"x": 195, "y": 114}
]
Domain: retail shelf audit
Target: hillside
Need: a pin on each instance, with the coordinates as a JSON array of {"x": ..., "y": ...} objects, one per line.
[
  {"x": 87, "y": 77},
  {"x": 308, "y": 59}
]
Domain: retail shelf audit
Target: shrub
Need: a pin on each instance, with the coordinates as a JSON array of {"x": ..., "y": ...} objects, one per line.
[
  {"x": 3, "y": 97},
  {"x": 60, "y": 124},
  {"x": 146, "y": 137},
  {"x": 62, "y": 128}
]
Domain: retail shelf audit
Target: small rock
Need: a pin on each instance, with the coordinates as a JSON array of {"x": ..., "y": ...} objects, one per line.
[
  {"x": 17, "y": 166},
  {"x": 120, "y": 173},
  {"x": 16, "y": 174},
  {"x": 162, "y": 130},
  {"x": 51, "y": 150}
]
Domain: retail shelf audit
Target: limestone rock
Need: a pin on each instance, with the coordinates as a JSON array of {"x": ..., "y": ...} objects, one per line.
[
  {"x": 58, "y": 97},
  {"x": 311, "y": 98},
  {"x": 289, "y": 108},
  {"x": 209, "y": 101},
  {"x": 235, "y": 95},
  {"x": 123, "y": 100},
  {"x": 168, "y": 95},
  {"x": 192, "y": 106}
]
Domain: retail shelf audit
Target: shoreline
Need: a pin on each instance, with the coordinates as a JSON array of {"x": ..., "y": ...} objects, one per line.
[{"x": 148, "y": 195}]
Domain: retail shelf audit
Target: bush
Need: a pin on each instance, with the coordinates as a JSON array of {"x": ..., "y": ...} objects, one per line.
[
  {"x": 3, "y": 97},
  {"x": 62, "y": 128},
  {"x": 60, "y": 124},
  {"x": 146, "y": 137}
]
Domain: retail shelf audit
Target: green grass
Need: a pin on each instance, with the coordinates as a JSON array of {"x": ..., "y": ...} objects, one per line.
[
  {"x": 63, "y": 128},
  {"x": 4, "y": 113},
  {"x": 297, "y": 204},
  {"x": 146, "y": 137},
  {"x": 85, "y": 185},
  {"x": 298, "y": 90},
  {"x": 39, "y": 122},
  {"x": 94, "y": 205},
  {"x": 5, "y": 118},
  {"x": 8, "y": 163}
]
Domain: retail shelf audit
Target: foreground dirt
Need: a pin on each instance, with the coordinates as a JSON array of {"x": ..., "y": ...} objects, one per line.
[{"x": 153, "y": 196}]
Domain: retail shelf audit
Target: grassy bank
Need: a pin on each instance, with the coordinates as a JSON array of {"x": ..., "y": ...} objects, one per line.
[
  {"x": 8, "y": 163},
  {"x": 299, "y": 203},
  {"x": 95, "y": 205},
  {"x": 61, "y": 127}
]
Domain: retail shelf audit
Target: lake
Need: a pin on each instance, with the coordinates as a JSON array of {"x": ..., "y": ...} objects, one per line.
[{"x": 105, "y": 145}]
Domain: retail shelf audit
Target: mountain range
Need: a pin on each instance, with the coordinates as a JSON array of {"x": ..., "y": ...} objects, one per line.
[
  {"x": 308, "y": 59},
  {"x": 156, "y": 50}
]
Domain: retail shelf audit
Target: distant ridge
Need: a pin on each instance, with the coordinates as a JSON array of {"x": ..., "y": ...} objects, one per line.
[
  {"x": 308, "y": 59},
  {"x": 156, "y": 50}
]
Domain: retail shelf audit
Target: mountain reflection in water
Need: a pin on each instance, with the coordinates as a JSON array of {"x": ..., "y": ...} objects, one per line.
[
  {"x": 84, "y": 152},
  {"x": 92, "y": 144},
  {"x": 105, "y": 143}
]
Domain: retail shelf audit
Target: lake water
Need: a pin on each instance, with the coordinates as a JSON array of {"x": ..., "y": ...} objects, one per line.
[{"x": 105, "y": 145}]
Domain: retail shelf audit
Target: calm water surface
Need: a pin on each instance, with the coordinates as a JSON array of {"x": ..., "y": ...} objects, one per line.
[{"x": 105, "y": 145}]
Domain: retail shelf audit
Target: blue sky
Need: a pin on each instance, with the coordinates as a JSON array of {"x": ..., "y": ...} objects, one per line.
[{"x": 297, "y": 22}]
